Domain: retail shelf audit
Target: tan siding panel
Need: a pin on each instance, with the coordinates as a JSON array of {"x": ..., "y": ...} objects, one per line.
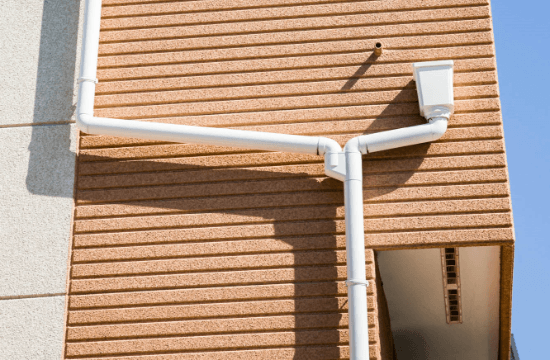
[
  {"x": 385, "y": 61},
  {"x": 185, "y": 251},
  {"x": 173, "y": 18},
  {"x": 181, "y": 43},
  {"x": 165, "y": 6}
]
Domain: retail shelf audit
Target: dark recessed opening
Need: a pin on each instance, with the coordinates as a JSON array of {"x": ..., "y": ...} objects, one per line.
[
  {"x": 378, "y": 45},
  {"x": 451, "y": 284}
]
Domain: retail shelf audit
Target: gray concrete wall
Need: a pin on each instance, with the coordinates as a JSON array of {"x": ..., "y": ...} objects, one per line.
[{"x": 39, "y": 53}]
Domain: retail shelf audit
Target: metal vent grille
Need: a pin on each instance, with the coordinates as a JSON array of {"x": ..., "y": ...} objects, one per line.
[{"x": 451, "y": 285}]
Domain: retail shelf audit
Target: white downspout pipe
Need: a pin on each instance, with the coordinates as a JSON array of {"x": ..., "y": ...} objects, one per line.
[
  {"x": 345, "y": 166},
  {"x": 355, "y": 233},
  {"x": 355, "y": 253}
]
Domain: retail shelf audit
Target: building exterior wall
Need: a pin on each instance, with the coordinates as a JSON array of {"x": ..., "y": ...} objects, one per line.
[
  {"x": 38, "y": 53},
  {"x": 196, "y": 252},
  {"x": 187, "y": 251}
]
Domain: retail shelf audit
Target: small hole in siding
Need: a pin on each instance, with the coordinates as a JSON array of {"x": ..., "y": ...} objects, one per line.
[{"x": 451, "y": 285}]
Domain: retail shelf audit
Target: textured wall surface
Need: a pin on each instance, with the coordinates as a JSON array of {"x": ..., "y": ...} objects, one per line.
[
  {"x": 200, "y": 252},
  {"x": 38, "y": 53},
  {"x": 32, "y": 329},
  {"x": 36, "y": 191}
]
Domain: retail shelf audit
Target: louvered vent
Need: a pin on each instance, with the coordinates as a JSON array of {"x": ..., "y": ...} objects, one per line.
[{"x": 451, "y": 285}]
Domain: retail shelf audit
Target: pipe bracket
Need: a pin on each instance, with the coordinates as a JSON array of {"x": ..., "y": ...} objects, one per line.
[
  {"x": 82, "y": 79},
  {"x": 350, "y": 282}
]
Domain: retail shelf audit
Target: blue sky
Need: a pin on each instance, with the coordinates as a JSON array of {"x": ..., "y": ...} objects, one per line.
[{"x": 522, "y": 34}]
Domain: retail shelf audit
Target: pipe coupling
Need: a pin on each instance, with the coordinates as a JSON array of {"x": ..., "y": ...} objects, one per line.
[{"x": 351, "y": 282}]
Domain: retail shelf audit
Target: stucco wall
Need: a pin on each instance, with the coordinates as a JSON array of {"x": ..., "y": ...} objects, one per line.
[
  {"x": 185, "y": 251},
  {"x": 38, "y": 56}
]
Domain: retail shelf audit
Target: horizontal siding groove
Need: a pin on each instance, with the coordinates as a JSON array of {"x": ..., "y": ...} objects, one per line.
[
  {"x": 417, "y": 193},
  {"x": 124, "y": 5},
  {"x": 89, "y": 314},
  {"x": 141, "y": 6},
  {"x": 469, "y": 77},
  {"x": 330, "y": 250},
  {"x": 158, "y": 313},
  {"x": 295, "y": 330},
  {"x": 266, "y": 163},
  {"x": 197, "y": 164},
  {"x": 208, "y": 327},
  {"x": 304, "y": 50},
  {"x": 379, "y": 69},
  {"x": 281, "y": 222},
  {"x": 286, "y": 230},
  {"x": 124, "y": 182},
  {"x": 281, "y": 238},
  {"x": 226, "y": 279},
  {"x": 111, "y": 13},
  {"x": 443, "y": 26},
  {"x": 319, "y": 352},
  {"x": 475, "y": 88},
  {"x": 294, "y": 184},
  {"x": 282, "y": 62},
  {"x": 203, "y": 265},
  {"x": 219, "y": 342},
  {"x": 337, "y": 220},
  {"x": 374, "y": 189},
  {"x": 348, "y": 32},
  {"x": 178, "y": 18},
  {"x": 214, "y": 295},
  {"x": 117, "y": 255},
  {"x": 375, "y": 70},
  {"x": 306, "y": 102},
  {"x": 99, "y": 212},
  {"x": 167, "y": 212}
]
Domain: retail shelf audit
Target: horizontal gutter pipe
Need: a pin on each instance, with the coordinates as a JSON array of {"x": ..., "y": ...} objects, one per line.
[
  {"x": 171, "y": 132},
  {"x": 343, "y": 165},
  {"x": 413, "y": 135}
]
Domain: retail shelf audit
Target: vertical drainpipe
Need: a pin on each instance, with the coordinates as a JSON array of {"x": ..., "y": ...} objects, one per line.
[{"x": 355, "y": 251}]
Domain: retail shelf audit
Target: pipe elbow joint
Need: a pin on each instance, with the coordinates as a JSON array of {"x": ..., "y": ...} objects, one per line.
[
  {"x": 83, "y": 122},
  {"x": 334, "y": 160},
  {"x": 439, "y": 127},
  {"x": 330, "y": 149},
  {"x": 353, "y": 145},
  {"x": 327, "y": 145}
]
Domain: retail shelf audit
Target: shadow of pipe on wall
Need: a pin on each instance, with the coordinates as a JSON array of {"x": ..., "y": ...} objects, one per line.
[
  {"x": 51, "y": 161},
  {"x": 300, "y": 208},
  {"x": 314, "y": 232}
]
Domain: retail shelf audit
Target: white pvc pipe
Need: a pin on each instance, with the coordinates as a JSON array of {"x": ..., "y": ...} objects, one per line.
[
  {"x": 355, "y": 232},
  {"x": 345, "y": 166},
  {"x": 408, "y": 136},
  {"x": 199, "y": 135},
  {"x": 355, "y": 253}
]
